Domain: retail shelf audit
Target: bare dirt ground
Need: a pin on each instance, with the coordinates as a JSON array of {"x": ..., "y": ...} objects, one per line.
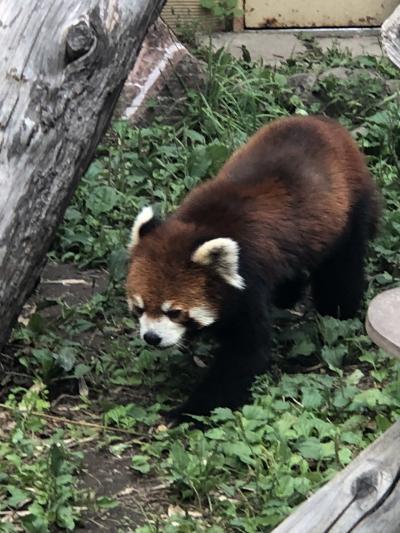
[
  {"x": 103, "y": 475},
  {"x": 111, "y": 477}
]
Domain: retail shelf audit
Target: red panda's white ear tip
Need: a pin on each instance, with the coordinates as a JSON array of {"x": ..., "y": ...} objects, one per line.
[
  {"x": 143, "y": 218},
  {"x": 223, "y": 255}
]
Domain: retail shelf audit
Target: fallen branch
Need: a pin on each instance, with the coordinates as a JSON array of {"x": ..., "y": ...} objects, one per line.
[{"x": 82, "y": 423}]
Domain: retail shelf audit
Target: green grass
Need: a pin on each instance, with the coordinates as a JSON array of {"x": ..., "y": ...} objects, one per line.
[{"x": 330, "y": 392}]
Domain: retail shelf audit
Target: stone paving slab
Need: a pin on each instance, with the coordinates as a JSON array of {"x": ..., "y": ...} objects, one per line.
[{"x": 274, "y": 46}]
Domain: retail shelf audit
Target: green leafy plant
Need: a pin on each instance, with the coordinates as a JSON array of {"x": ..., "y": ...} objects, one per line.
[
  {"x": 329, "y": 394},
  {"x": 221, "y": 8},
  {"x": 38, "y": 474}
]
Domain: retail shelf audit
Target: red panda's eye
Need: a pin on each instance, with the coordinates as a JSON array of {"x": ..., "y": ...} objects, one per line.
[
  {"x": 138, "y": 310},
  {"x": 174, "y": 314}
]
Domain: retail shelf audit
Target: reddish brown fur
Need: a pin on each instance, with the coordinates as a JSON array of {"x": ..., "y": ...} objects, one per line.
[
  {"x": 285, "y": 197},
  {"x": 296, "y": 198},
  {"x": 160, "y": 271}
]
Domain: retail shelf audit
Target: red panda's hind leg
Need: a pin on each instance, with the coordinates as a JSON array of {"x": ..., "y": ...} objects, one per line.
[{"x": 338, "y": 283}]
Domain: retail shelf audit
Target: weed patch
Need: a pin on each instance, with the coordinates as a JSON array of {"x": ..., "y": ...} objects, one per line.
[{"x": 329, "y": 394}]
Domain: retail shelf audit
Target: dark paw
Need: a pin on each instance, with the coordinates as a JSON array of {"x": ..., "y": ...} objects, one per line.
[
  {"x": 180, "y": 414},
  {"x": 173, "y": 417}
]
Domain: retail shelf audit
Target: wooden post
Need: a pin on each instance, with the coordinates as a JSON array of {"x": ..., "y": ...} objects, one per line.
[
  {"x": 363, "y": 498},
  {"x": 390, "y": 34},
  {"x": 239, "y": 20},
  {"x": 62, "y": 66}
]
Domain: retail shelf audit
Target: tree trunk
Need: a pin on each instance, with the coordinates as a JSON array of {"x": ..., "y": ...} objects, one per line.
[
  {"x": 390, "y": 34},
  {"x": 63, "y": 64}
]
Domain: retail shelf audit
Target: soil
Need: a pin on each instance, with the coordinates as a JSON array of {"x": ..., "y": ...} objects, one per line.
[
  {"x": 110, "y": 476},
  {"x": 64, "y": 283},
  {"x": 102, "y": 474},
  {"x": 59, "y": 284}
]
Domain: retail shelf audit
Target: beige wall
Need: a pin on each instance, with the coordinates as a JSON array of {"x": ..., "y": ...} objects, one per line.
[{"x": 316, "y": 13}]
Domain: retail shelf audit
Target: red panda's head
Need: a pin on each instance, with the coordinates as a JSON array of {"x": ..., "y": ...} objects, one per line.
[{"x": 178, "y": 278}]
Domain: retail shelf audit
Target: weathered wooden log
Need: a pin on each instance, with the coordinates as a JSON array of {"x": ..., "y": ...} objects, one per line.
[
  {"x": 390, "y": 34},
  {"x": 383, "y": 321},
  {"x": 62, "y": 66},
  {"x": 363, "y": 498}
]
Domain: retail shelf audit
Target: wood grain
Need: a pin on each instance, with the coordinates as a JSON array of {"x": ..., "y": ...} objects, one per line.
[
  {"x": 363, "y": 498},
  {"x": 62, "y": 66},
  {"x": 390, "y": 34}
]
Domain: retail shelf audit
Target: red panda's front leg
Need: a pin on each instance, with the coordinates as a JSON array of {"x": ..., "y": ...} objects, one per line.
[{"x": 243, "y": 354}]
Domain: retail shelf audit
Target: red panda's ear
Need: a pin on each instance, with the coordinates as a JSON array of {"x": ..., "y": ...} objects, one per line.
[
  {"x": 222, "y": 254},
  {"x": 145, "y": 222}
]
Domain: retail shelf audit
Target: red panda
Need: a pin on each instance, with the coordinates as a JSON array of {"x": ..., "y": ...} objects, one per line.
[{"x": 297, "y": 200}]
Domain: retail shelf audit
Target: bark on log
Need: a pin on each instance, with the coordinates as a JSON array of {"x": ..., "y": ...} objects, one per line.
[
  {"x": 63, "y": 64},
  {"x": 390, "y": 34}
]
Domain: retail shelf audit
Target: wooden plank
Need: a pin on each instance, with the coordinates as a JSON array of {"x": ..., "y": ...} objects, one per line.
[
  {"x": 385, "y": 519},
  {"x": 363, "y": 498},
  {"x": 238, "y": 20},
  {"x": 383, "y": 321},
  {"x": 62, "y": 67}
]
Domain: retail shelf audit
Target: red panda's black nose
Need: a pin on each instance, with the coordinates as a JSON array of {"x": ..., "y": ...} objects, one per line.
[{"x": 152, "y": 338}]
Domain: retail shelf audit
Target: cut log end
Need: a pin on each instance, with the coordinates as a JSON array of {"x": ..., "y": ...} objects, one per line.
[{"x": 382, "y": 322}]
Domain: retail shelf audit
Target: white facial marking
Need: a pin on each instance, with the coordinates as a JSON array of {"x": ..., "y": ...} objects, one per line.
[
  {"x": 223, "y": 254},
  {"x": 135, "y": 300},
  {"x": 166, "y": 306},
  {"x": 169, "y": 332},
  {"x": 203, "y": 315},
  {"x": 138, "y": 300},
  {"x": 145, "y": 215}
]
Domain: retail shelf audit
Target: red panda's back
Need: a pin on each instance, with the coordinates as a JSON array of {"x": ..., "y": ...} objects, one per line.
[
  {"x": 295, "y": 181},
  {"x": 299, "y": 151}
]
